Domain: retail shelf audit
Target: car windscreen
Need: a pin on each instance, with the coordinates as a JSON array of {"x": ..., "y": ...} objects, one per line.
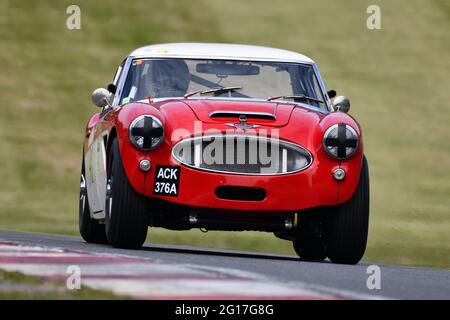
[{"x": 174, "y": 77}]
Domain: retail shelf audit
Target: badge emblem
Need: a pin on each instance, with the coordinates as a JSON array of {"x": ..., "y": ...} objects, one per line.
[{"x": 242, "y": 125}]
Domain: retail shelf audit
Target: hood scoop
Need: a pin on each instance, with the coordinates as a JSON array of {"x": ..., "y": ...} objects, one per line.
[
  {"x": 256, "y": 112},
  {"x": 237, "y": 114}
]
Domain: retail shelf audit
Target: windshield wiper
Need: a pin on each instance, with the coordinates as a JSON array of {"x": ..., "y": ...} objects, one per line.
[
  {"x": 214, "y": 91},
  {"x": 295, "y": 97}
]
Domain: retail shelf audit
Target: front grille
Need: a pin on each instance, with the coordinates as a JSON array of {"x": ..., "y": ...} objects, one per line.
[{"x": 242, "y": 154}]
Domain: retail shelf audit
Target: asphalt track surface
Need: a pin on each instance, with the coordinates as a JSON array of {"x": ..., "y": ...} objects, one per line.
[{"x": 242, "y": 275}]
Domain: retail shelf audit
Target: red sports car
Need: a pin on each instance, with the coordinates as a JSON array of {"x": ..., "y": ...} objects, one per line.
[{"x": 224, "y": 137}]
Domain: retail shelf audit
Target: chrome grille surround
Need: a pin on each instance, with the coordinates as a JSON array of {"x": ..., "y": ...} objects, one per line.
[{"x": 296, "y": 158}]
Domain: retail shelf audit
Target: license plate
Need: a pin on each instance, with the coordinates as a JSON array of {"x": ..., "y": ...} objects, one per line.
[{"x": 167, "y": 180}]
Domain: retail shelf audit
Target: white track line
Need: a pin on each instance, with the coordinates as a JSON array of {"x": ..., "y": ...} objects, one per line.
[
  {"x": 155, "y": 279},
  {"x": 158, "y": 280}
]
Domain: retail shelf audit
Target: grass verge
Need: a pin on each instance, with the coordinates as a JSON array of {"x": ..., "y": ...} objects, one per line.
[{"x": 17, "y": 286}]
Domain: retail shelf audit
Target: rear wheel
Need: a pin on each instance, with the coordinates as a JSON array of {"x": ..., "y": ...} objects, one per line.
[
  {"x": 125, "y": 209},
  {"x": 350, "y": 223},
  {"x": 90, "y": 230}
]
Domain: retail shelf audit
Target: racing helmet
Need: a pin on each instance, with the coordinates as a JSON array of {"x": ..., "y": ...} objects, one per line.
[{"x": 168, "y": 78}]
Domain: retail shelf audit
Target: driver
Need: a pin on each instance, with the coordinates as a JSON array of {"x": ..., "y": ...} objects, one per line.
[{"x": 168, "y": 78}]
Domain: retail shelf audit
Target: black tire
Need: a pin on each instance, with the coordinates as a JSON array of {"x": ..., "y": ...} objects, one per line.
[
  {"x": 312, "y": 249},
  {"x": 90, "y": 230},
  {"x": 350, "y": 223},
  {"x": 125, "y": 210}
]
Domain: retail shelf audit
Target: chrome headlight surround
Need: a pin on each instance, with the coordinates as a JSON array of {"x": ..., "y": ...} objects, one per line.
[
  {"x": 146, "y": 132},
  {"x": 340, "y": 141}
]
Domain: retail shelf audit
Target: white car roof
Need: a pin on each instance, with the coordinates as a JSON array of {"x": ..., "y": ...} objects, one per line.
[{"x": 219, "y": 51}]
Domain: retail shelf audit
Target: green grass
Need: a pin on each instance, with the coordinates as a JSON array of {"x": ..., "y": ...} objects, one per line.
[
  {"x": 396, "y": 78},
  {"x": 17, "y": 286}
]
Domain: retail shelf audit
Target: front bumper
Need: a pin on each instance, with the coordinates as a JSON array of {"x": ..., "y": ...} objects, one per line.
[{"x": 312, "y": 187}]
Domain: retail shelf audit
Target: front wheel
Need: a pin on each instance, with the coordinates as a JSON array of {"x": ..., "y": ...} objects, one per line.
[
  {"x": 350, "y": 223},
  {"x": 310, "y": 249},
  {"x": 125, "y": 209}
]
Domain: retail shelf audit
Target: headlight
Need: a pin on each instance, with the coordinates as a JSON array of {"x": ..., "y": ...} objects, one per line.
[
  {"x": 340, "y": 141},
  {"x": 146, "y": 132}
]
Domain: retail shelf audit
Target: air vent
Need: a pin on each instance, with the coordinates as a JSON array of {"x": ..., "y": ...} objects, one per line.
[
  {"x": 240, "y": 193},
  {"x": 237, "y": 114}
]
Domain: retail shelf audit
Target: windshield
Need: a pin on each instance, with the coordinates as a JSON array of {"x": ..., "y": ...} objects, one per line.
[{"x": 163, "y": 78}]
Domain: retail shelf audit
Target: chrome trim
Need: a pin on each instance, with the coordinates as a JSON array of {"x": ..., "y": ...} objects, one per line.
[
  {"x": 245, "y": 113},
  {"x": 121, "y": 82},
  {"x": 242, "y": 125},
  {"x": 281, "y": 142},
  {"x": 328, "y": 132},
  {"x": 133, "y": 123}
]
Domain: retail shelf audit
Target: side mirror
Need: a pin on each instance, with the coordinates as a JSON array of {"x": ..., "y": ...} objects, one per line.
[
  {"x": 100, "y": 97},
  {"x": 341, "y": 103}
]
